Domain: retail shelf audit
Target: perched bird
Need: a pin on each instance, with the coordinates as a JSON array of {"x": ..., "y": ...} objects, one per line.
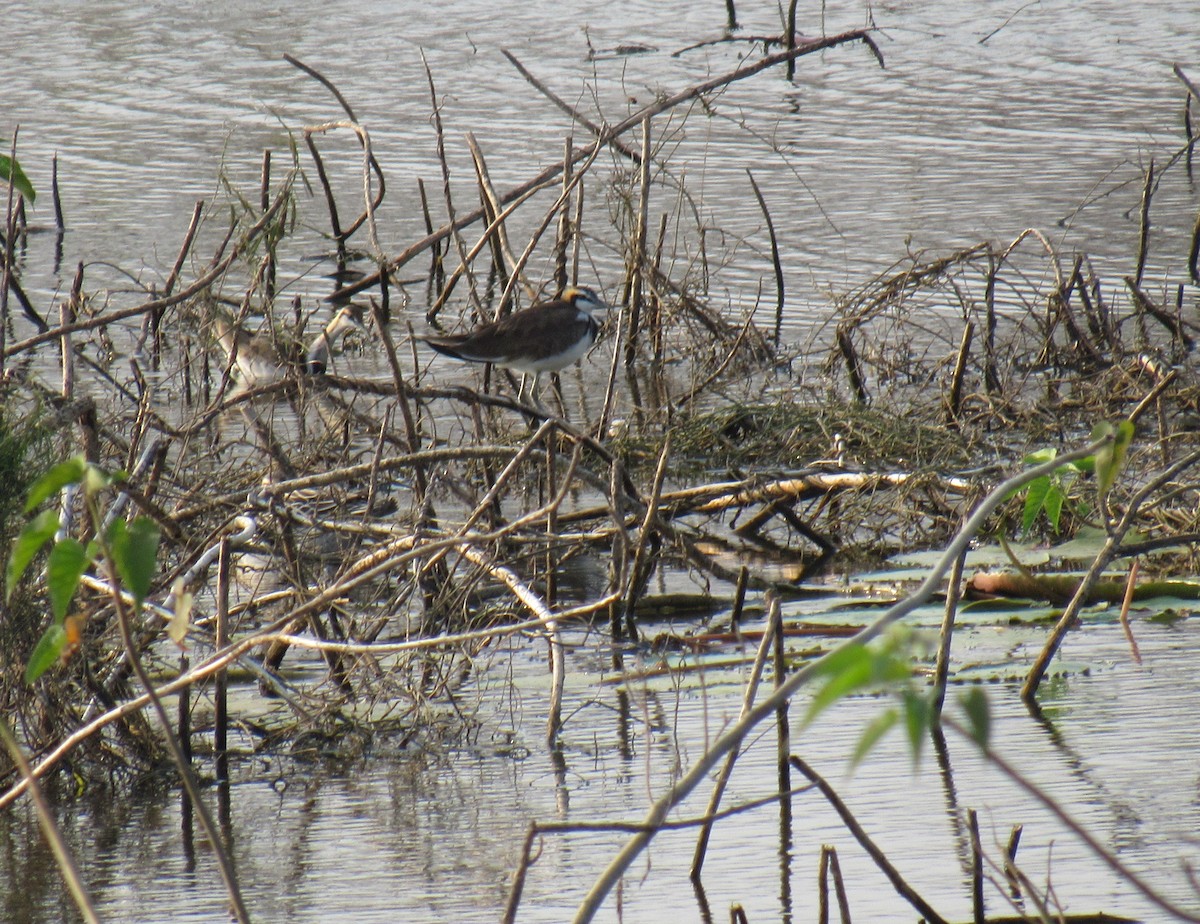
[
  {"x": 544, "y": 337},
  {"x": 259, "y": 363}
]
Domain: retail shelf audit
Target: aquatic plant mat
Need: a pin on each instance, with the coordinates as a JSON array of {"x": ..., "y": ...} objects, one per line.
[{"x": 347, "y": 529}]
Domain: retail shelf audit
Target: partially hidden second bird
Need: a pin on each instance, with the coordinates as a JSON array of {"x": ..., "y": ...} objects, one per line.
[{"x": 259, "y": 363}]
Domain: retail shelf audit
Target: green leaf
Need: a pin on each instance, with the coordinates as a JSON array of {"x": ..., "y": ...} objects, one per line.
[
  {"x": 849, "y": 669},
  {"x": 1085, "y": 466},
  {"x": 1111, "y": 458},
  {"x": 48, "y": 650},
  {"x": 63, "y": 474},
  {"x": 858, "y": 668},
  {"x": 11, "y": 170},
  {"x": 875, "y": 730},
  {"x": 1053, "y": 505},
  {"x": 37, "y": 532},
  {"x": 1041, "y": 455},
  {"x": 96, "y": 479},
  {"x": 134, "y": 549},
  {"x": 974, "y": 703},
  {"x": 918, "y": 714},
  {"x": 66, "y": 565},
  {"x": 1035, "y": 499}
]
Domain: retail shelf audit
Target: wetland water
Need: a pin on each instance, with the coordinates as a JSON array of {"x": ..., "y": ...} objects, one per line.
[{"x": 1046, "y": 124}]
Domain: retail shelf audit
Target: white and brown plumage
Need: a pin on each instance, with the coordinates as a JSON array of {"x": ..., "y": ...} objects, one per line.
[
  {"x": 545, "y": 337},
  {"x": 258, "y": 362}
]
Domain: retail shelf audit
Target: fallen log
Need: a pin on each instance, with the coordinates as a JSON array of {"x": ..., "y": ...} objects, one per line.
[{"x": 1060, "y": 588}]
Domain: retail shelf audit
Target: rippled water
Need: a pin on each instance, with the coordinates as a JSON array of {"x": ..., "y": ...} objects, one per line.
[
  {"x": 432, "y": 831},
  {"x": 1048, "y": 123}
]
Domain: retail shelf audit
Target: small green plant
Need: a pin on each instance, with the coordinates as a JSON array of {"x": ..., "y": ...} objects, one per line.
[
  {"x": 128, "y": 550},
  {"x": 1050, "y": 494}
]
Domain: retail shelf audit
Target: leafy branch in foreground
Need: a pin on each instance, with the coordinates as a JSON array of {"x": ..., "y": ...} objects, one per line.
[
  {"x": 126, "y": 552},
  {"x": 130, "y": 547},
  {"x": 861, "y": 668},
  {"x": 11, "y": 172}
]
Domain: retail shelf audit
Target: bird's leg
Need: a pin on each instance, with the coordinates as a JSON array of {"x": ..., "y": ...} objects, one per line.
[
  {"x": 535, "y": 392},
  {"x": 530, "y": 394}
]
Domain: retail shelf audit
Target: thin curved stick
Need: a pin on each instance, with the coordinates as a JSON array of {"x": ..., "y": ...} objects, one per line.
[
  {"x": 368, "y": 214},
  {"x": 907, "y": 892}
]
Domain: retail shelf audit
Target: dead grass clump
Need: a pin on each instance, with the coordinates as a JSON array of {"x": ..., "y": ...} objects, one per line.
[{"x": 788, "y": 435}]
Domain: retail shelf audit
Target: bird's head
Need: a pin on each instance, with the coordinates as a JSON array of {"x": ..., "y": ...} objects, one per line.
[
  {"x": 347, "y": 318},
  {"x": 585, "y": 299},
  {"x": 344, "y": 320}
]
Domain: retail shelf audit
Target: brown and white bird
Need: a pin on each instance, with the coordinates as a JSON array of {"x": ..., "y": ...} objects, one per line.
[
  {"x": 259, "y": 363},
  {"x": 544, "y": 337}
]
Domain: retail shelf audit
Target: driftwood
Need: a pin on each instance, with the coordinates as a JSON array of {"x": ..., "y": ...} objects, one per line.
[{"x": 1060, "y": 588}]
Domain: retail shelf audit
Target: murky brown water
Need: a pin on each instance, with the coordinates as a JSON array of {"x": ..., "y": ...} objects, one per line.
[{"x": 1046, "y": 124}]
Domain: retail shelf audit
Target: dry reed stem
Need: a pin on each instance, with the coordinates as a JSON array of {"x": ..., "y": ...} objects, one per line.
[
  {"x": 639, "y": 573},
  {"x": 903, "y": 889},
  {"x": 504, "y": 261},
  {"x": 188, "y": 238},
  {"x": 63, "y": 857},
  {"x": 941, "y": 670},
  {"x": 636, "y": 267},
  {"x": 830, "y": 867},
  {"x": 1124, "y": 616}
]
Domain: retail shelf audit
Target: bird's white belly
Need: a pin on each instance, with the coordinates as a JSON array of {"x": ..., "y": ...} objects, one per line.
[{"x": 550, "y": 363}]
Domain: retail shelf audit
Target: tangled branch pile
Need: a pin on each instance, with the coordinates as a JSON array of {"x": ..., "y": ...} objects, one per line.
[{"x": 377, "y": 531}]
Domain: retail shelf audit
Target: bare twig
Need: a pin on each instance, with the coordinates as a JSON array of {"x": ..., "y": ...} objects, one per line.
[
  {"x": 903, "y": 889},
  {"x": 62, "y": 854}
]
